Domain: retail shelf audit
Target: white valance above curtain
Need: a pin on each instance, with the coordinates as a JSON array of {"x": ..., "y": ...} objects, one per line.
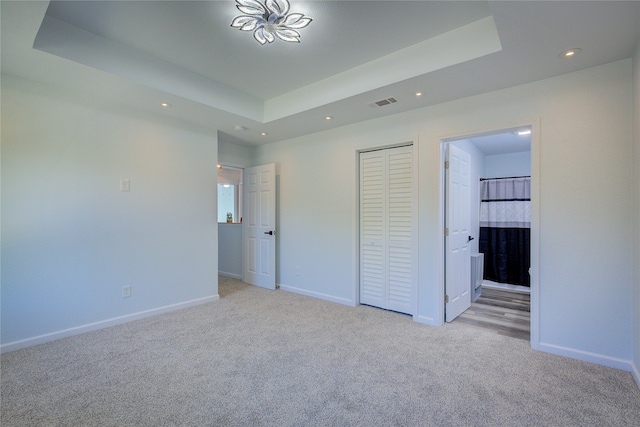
[{"x": 505, "y": 203}]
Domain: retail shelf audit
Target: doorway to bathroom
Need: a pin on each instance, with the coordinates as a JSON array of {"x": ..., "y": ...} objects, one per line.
[{"x": 486, "y": 230}]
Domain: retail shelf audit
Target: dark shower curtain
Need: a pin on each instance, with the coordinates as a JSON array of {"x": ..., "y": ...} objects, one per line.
[{"x": 505, "y": 224}]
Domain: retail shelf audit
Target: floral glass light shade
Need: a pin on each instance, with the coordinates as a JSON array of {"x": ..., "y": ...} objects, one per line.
[{"x": 269, "y": 19}]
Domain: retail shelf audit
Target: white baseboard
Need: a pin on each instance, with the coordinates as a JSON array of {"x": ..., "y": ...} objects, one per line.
[
  {"x": 515, "y": 288},
  {"x": 232, "y": 275},
  {"x": 77, "y": 330},
  {"x": 636, "y": 374},
  {"x": 326, "y": 297},
  {"x": 426, "y": 320},
  {"x": 346, "y": 301},
  {"x": 599, "y": 359}
]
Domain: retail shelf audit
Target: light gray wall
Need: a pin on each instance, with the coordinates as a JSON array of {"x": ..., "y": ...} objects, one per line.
[
  {"x": 71, "y": 239},
  {"x": 234, "y": 155},
  {"x": 230, "y": 250},
  {"x": 512, "y": 164},
  {"x": 584, "y": 124}
]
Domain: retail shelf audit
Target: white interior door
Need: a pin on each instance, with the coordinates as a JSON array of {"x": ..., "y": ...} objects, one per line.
[
  {"x": 259, "y": 226},
  {"x": 457, "y": 232}
]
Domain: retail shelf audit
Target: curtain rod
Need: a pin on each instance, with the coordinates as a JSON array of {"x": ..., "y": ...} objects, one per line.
[{"x": 506, "y": 177}]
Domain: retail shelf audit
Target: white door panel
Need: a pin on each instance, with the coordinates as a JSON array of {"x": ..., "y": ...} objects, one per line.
[
  {"x": 259, "y": 226},
  {"x": 457, "y": 252}
]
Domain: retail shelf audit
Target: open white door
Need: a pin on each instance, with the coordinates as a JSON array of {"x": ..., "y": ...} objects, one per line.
[
  {"x": 457, "y": 232},
  {"x": 259, "y": 226}
]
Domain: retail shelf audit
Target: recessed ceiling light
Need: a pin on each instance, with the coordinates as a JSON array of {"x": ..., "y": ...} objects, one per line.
[
  {"x": 165, "y": 105},
  {"x": 263, "y": 133},
  {"x": 418, "y": 93},
  {"x": 328, "y": 118},
  {"x": 570, "y": 53}
]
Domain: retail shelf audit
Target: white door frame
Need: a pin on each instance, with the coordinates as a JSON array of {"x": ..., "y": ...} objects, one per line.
[{"x": 535, "y": 221}]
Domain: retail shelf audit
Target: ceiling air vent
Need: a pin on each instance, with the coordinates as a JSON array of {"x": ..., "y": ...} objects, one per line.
[{"x": 383, "y": 102}]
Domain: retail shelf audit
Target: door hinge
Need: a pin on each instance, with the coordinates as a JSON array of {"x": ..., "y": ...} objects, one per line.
[
  {"x": 446, "y": 299},
  {"x": 446, "y": 164},
  {"x": 446, "y": 231}
]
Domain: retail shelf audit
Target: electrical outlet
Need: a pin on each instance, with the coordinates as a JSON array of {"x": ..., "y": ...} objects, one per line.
[
  {"x": 125, "y": 185},
  {"x": 126, "y": 291}
]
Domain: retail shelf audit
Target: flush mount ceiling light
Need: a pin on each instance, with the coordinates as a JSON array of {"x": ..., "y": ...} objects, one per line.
[{"x": 269, "y": 19}]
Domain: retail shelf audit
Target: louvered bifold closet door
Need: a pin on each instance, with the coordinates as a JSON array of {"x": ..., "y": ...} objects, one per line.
[
  {"x": 400, "y": 221},
  {"x": 372, "y": 228},
  {"x": 386, "y": 221}
]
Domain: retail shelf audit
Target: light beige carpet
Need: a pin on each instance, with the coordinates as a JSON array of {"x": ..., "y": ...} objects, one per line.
[{"x": 274, "y": 358}]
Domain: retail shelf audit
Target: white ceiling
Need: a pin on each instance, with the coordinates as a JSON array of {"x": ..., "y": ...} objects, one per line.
[
  {"x": 132, "y": 56},
  {"x": 503, "y": 142}
]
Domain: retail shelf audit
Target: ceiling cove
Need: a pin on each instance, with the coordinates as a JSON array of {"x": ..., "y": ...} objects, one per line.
[{"x": 67, "y": 31}]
